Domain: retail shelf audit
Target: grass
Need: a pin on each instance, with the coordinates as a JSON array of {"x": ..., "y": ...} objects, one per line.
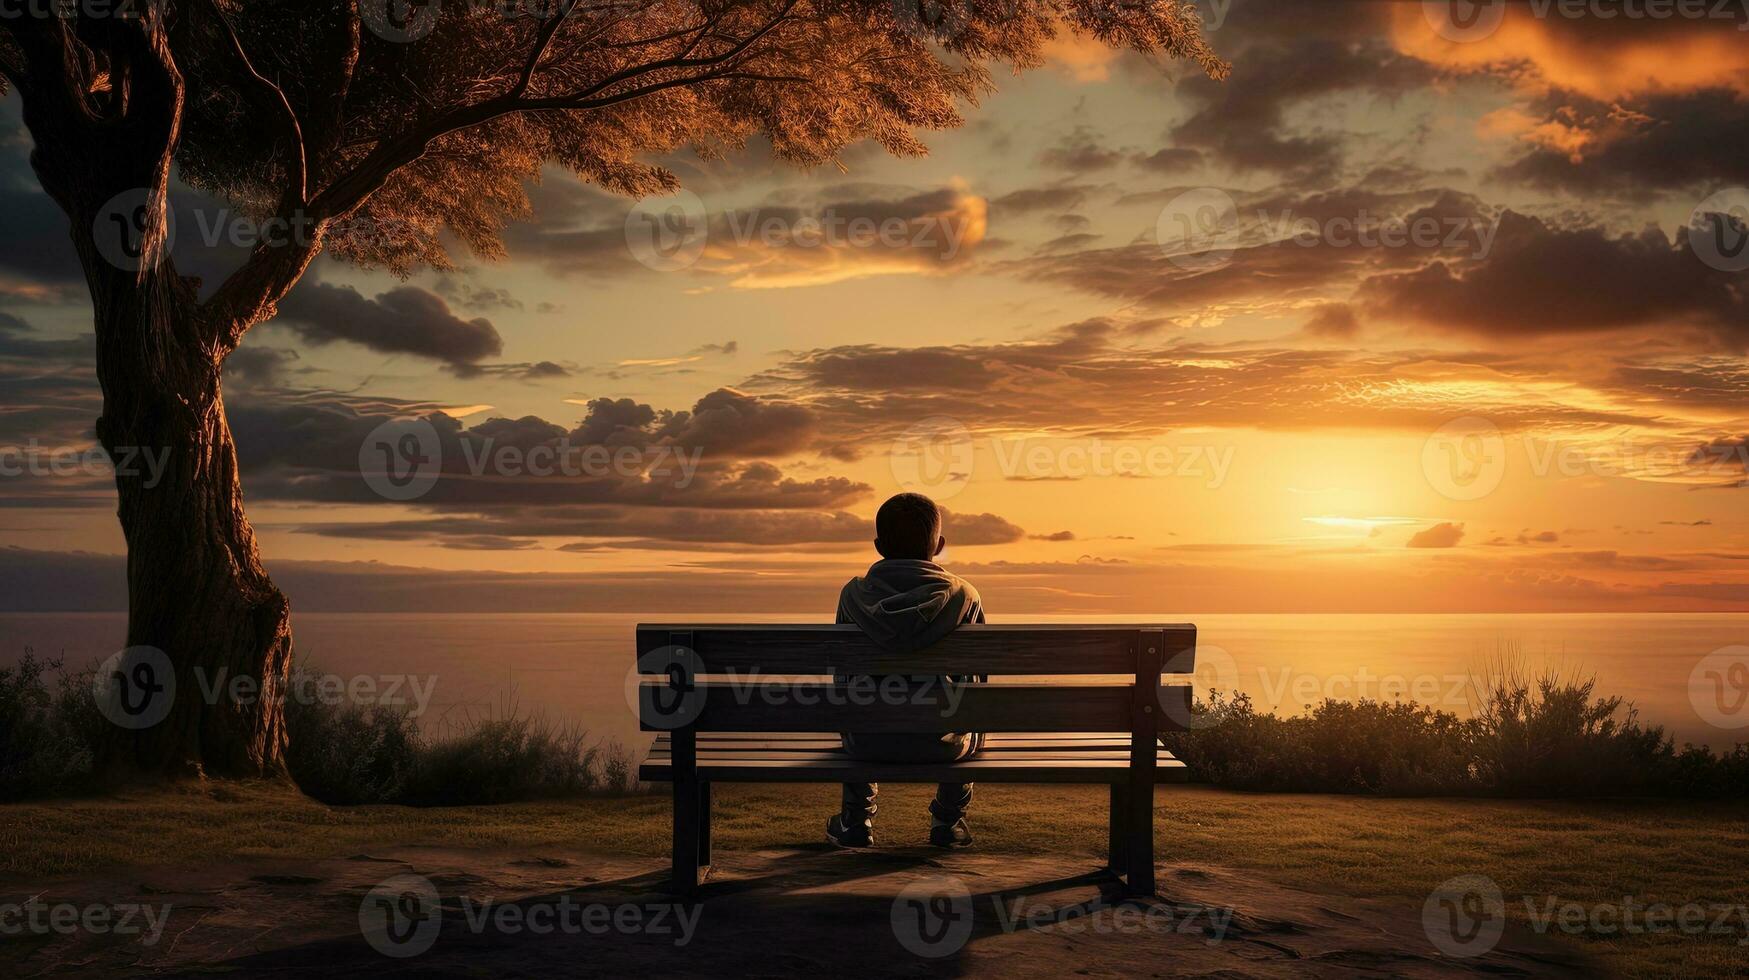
[{"x": 1590, "y": 852}]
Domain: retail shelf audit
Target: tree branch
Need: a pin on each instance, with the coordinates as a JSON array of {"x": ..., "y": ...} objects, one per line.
[
  {"x": 543, "y": 40},
  {"x": 297, "y": 189},
  {"x": 375, "y": 169}
]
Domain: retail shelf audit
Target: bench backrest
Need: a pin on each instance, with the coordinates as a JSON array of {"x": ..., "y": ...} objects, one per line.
[{"x": 882, "y": 692}]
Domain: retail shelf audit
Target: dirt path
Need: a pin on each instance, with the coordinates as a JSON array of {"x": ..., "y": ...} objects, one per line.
[{"x": 808, "y": 912}]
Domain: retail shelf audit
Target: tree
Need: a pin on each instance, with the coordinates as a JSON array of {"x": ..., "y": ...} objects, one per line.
[{"x": 370, "y": 127}]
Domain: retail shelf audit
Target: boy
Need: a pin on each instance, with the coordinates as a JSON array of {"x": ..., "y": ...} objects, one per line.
[{"x": 905, "y": 603}]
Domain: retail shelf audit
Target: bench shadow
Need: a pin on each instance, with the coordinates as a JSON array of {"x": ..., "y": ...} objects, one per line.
[{"x": 808, "y": 912}]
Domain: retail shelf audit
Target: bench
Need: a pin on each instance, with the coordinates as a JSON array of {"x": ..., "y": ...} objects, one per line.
[{"x": 730, "y": 705}]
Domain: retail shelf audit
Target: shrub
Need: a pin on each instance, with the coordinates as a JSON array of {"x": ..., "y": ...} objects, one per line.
[
  {"x": 1544, "y": 738},
  {"x": 47, "y": 735}
]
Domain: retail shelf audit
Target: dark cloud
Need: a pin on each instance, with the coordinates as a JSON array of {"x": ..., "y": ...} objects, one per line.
[
  {"x": 1028, "y": 200},
  {"x": 253, "y": 364},
  {"x": 1665, "y": 141},
  {"x": 1438, "y": 536},
  {"x": 1081, "y": 152},
  {"x": 1335, "y": 320},
  {"x": 1094, "y": 378},
  {"x": 1242, "y": 121},
  {"x": 1539, "y": 279},
  {"x": 404, "y": 320}
]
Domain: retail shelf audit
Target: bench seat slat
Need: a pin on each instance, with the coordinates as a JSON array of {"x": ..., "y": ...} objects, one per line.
[
  {"x": 839, "y": 769},
  {"x": 812, "y": 706},
  {"x": 809, "y": 742},
  {"x": 818, "y": 757}
]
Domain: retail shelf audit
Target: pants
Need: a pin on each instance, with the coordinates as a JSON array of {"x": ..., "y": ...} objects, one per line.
[{"x": 857, "y": 803}]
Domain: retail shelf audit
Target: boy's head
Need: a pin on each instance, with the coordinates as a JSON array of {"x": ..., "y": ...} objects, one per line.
[{"x": 909, "y": 526}]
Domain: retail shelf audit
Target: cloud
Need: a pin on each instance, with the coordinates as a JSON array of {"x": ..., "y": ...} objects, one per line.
[
  {"x": 850, "y": 232},
  {"x": 1539, "y": 280},
  {"x": 404, "y": 320},
  {"x": 1444, "y": 535},
  {"x": 1664, "y": 141}
]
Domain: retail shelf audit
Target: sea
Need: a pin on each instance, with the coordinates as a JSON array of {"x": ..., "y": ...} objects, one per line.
[{"x": 1688, "y": 672}]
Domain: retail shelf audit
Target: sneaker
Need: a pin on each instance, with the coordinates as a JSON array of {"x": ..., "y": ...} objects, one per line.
[
  {"x": 845, "y": 836},
  {"x": 955, "y": 834}
]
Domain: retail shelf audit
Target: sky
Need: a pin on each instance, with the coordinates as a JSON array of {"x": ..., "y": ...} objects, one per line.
[{"x": 1407, "y": 314}]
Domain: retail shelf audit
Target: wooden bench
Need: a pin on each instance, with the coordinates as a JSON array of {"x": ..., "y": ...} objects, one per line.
[{"x": 731, "y": 707}]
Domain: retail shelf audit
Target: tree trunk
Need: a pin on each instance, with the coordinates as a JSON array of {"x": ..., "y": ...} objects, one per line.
[
  {"x": 196, "y": 586},
  {"x": 106, "y": 120}
]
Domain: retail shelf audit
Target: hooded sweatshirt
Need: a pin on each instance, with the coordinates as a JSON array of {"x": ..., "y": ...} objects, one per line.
[{"x": 905, "y": 604}]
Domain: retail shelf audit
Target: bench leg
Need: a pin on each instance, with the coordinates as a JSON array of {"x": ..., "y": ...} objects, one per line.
[
  {"x": 704, "y": 824},
  {"x": 1138, "y": 849},
  {"x": 688, "y": 829},
  {"x": 1114, "y": 837}
]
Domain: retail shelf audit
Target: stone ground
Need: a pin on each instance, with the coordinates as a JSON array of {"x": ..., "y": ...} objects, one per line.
[{"x": 910, "y": 912}]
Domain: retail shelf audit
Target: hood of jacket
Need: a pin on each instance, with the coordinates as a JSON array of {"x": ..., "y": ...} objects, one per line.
[{"x": 905, "y": 604}]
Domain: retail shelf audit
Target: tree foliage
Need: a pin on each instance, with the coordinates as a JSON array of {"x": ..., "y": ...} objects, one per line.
[{"x": 409, "y": 126}]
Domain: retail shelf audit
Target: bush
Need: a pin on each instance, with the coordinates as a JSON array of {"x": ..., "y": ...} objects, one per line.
[
  {"x": 47, "y": 735},
  {"x": 339, "y": 754},
  {"x": 346, "y": 754},
  {"x": 1547, "y": 738}
]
